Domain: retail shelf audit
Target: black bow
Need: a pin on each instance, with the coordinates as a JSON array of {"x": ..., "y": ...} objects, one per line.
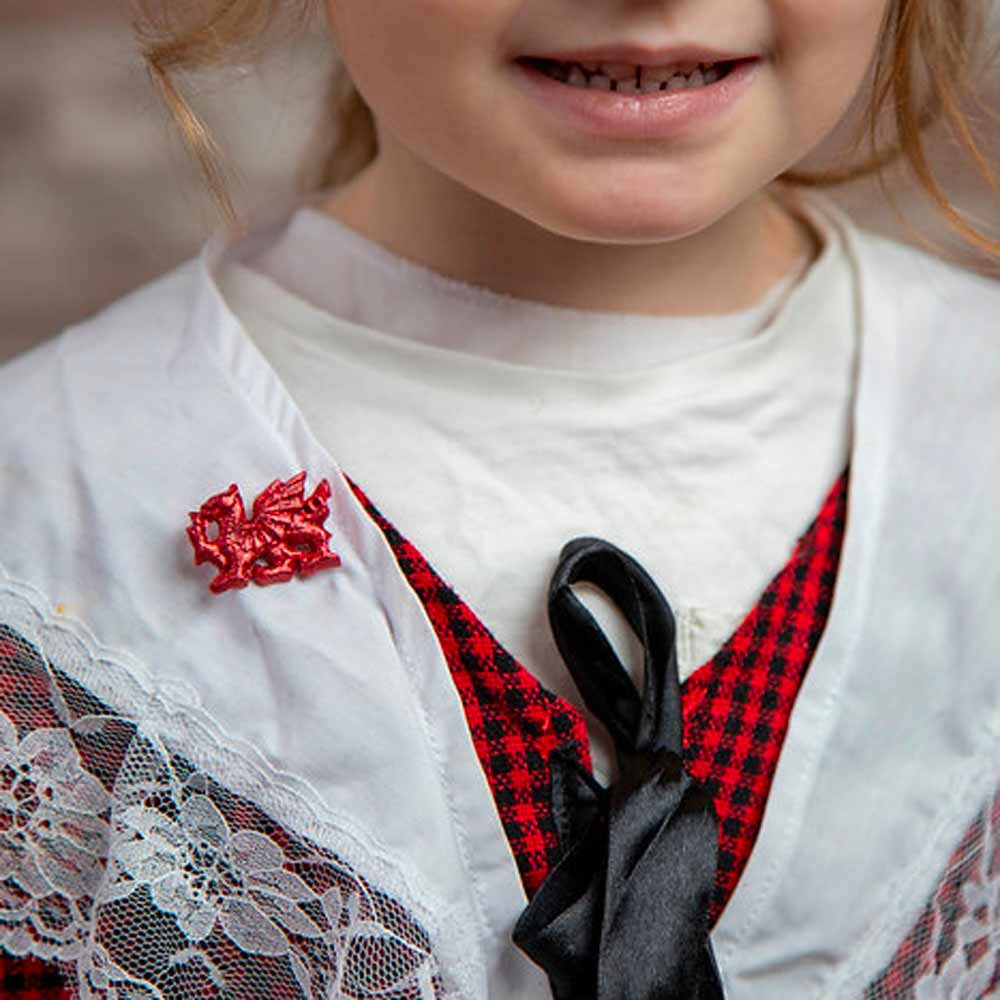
[{"x": 623, "y": 915}]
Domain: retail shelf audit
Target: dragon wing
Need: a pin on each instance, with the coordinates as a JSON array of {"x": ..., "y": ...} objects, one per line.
[{"x": 280, "y": 504}]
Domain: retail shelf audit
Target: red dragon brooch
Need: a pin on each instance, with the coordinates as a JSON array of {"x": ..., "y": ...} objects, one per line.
[{"x": 285, "y": 536}]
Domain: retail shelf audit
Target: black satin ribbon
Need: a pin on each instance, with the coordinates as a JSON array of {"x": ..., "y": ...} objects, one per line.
[{"x": 623, "y": 915}]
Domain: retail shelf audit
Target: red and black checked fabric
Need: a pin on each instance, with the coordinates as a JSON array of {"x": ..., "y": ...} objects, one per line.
[
  {"x": 515, "y": 723},
  {"x": 736, "y": 707},
  {"x": 31, "y": 979}
]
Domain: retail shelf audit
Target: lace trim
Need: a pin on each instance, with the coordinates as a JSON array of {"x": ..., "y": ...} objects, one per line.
[
  {"x": 953, "y": 948},
  {"x": 153, "y": 856}
]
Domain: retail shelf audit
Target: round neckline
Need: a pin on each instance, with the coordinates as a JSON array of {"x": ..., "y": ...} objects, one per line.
[
  {"x": 314, "y": 226},
  {"x": 372, "y": 288},
  {"x": 791, "y": 331}
]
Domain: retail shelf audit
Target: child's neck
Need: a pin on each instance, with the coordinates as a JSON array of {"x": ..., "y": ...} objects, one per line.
[{"x": 726, "y": 267}]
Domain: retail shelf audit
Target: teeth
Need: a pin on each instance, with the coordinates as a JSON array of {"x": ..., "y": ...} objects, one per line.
[
  {"x": 627, "y": 79},
  {"x": 619, "y": 71},
  {"x": 659, "y": 73}
]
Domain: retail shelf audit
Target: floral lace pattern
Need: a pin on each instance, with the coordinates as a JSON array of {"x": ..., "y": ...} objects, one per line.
[
  {"x": 52, "y": 841},
  {"x": 127, "y": 862}
]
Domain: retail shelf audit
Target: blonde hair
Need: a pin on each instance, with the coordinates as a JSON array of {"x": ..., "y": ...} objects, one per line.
[{"x": 922, "y": 74}]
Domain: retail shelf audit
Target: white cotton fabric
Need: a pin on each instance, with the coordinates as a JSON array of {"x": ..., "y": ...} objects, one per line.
[
  {"x": 703, "y": 445},
  {"x": 324, "y": 263},
  {"x": 110, "y": 435},
  {"x": 112, "y": 432}
]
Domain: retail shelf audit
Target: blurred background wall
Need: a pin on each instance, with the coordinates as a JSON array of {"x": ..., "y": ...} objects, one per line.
[{"x": 97, "y": 195}]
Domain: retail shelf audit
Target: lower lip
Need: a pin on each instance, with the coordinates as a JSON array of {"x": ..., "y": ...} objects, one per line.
[{"x": 659, "y": 114}]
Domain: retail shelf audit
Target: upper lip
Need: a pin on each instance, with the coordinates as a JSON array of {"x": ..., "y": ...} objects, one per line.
[{"x": 640, "y": 55}]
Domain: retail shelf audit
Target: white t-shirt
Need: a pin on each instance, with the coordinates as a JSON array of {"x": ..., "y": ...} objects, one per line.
[{"x": 703, "y": 446}]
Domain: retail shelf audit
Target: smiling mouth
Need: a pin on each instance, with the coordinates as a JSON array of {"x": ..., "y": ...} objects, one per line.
[{"x": 632, "y": 79}]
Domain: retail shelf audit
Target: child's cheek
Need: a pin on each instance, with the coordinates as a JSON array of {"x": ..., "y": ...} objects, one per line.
[{"x": 821, "y": 54}]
